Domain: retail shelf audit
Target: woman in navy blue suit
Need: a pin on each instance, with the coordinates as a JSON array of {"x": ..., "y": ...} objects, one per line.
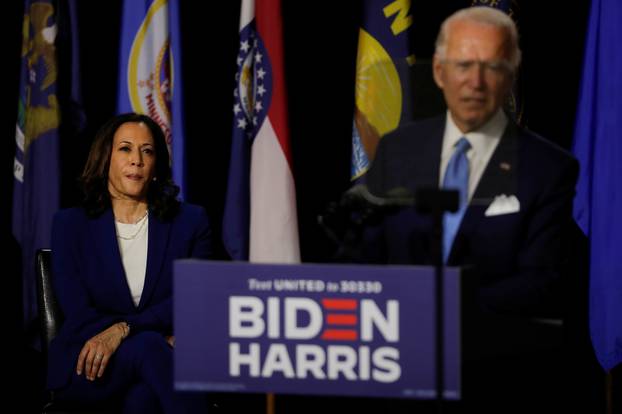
[{"x": 112, "y": 264}]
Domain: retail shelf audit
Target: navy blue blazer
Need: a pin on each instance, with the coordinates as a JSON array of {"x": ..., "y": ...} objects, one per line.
[
  {"x": 515, "y": 259},
  {"x": 90, "y": 284}
]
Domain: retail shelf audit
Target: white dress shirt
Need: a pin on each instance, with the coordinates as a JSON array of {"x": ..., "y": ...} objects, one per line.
[{"x": 483, "y": 143}]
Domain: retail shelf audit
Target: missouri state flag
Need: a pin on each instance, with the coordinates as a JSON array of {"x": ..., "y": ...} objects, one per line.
[
  {"x": 260, "y": 221},
  {"x": 150, "y": 80}
]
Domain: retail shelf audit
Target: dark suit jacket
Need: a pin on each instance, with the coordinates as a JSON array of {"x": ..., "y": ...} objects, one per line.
[
  {"x": 90, "y": 283},
  {"x": 515, "y": 258}
]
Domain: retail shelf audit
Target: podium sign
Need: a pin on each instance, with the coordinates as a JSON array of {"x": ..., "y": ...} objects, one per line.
[{"x": 313, "y": 329}]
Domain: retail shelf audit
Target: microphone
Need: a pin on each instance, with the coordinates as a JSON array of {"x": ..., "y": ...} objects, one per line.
[
  {"x": 359, "y": 197},
  {"x": 343, "y": 221},
  {"x": 426, "y": 200}
]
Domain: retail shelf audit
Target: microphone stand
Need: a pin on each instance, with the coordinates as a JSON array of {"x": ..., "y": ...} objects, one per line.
[
  {"x": 431, "y": 201},
  {"x": 436, "y": 202}
]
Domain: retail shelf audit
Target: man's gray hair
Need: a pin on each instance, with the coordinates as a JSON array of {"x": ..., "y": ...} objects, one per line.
[{"x": 484, "y": 15}]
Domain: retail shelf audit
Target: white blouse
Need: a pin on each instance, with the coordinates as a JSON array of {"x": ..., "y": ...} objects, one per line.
[{"x": 132, "y": 240}]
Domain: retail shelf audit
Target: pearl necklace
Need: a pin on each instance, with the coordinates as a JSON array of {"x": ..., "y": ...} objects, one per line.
[{"x": 142, "y": 222}]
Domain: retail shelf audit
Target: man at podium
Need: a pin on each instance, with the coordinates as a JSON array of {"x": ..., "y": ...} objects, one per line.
[{"x": 516, "y": 191}]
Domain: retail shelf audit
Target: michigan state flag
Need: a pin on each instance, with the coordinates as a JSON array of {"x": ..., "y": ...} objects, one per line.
[
  {"x": 36, "y": 186},
  {"x": 150, "y": 71},
  {"x": 383, "y": 87}
]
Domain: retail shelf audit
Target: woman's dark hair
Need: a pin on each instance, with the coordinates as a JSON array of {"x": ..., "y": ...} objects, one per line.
[{"x": 162, "y": 192}]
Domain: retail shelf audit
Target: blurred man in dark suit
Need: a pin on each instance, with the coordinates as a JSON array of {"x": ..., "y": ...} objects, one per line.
[{"x": 516, "y": 191}]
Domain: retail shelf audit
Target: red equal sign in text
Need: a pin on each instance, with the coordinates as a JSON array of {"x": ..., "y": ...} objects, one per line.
[{"x": 347, "y": 318}]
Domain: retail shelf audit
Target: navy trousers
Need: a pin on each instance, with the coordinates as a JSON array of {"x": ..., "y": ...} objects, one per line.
[{"x": 139, "y": 377}]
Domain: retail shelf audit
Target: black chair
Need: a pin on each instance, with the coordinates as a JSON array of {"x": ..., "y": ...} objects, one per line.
[
  {"x": 51, "y": 318},
  {"x": 50, "y": 314}
]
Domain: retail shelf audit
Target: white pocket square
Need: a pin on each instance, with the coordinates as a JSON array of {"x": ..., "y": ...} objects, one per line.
[{"x": 503, "y": 204}]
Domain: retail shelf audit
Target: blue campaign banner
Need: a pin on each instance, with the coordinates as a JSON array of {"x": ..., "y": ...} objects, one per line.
[{"x": 313, "y": 329}]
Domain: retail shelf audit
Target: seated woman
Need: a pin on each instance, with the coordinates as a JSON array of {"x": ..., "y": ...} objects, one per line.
[{"x": 112, "y": 265}]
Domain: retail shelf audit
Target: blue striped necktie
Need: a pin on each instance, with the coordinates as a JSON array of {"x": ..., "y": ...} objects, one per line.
[{"x": 456, "y": 178}]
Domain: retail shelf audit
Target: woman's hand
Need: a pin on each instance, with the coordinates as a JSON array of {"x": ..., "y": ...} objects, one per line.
[
  {"x": 97, "y": 351},
  {"x": 171, "y": 340}
]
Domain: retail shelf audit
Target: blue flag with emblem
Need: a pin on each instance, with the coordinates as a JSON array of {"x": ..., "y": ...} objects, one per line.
[
  {"x": 504, "y": 5},
  {"x": 36, "y": 188},
  {"x": 383, "y": 77},
  {"x": 598, "y": 203},
  {"x": 514, "y": 104},
  {"x": 150, "y": 80}
]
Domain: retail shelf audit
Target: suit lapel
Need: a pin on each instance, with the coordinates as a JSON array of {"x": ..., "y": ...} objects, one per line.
[
  {"x": 156, "y": 251},
  {"x": 499, "y": 177},
  {"x": 500, "y": 174},
  {"x": 107, "y": 248},
  {"x": 424, "y": 160}
]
